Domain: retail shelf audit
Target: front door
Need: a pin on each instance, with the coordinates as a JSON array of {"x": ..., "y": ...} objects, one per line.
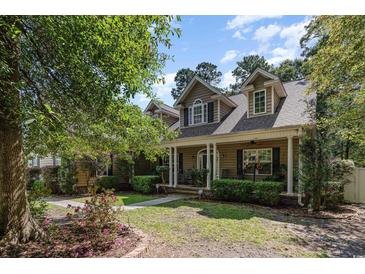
[{"x": 203, "y": 163}]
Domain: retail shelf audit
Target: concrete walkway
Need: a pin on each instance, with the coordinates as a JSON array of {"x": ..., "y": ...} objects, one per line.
[{"x": 172, "y": 197}]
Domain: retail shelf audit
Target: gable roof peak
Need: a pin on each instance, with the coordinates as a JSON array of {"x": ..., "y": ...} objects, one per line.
[
  {"x": 191, "y": 84},
  {"x": 162, "y": 107},
  {"x": 261, "y": 71}
]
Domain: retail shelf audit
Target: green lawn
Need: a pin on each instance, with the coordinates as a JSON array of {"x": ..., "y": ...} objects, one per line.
[
  {"x": 212, "y": 229},
  {"x": 124, "y": 198}
]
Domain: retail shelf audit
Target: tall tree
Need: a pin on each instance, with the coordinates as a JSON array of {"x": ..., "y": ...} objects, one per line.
[
  {"x": 290, "y": 70},
  {"x": 205, "y": 70},
  {"x": 246, "y": 66},
  {"x": 335, "y": 50},
  {"x": 209, "y": 73},
  {"x": 64, "y": 81},
  {"x": 182, "y": 79}
]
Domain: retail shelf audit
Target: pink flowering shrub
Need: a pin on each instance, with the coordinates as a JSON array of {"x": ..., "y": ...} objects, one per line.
[
  {"x": 93, "y": 229},
  {"x": 90, "y": 231}
]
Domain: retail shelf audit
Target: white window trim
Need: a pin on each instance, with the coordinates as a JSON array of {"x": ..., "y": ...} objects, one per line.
[
  {"x": 254, "y": 103},
  {"x": 204, "y": 113},
  {"x": 257, "y": 155}
]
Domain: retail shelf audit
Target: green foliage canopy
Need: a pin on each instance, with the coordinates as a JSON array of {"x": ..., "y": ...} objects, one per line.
[
  {"x": 205, "y": 70},
  {"x": 335, "y": 51},
  {"x": 77, "y": 76}
]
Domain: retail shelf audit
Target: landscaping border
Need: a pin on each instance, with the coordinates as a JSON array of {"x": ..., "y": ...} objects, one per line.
[{"x": 141, "y": 248}]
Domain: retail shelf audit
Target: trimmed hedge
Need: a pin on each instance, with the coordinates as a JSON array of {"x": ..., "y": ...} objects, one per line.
[
  {"x": 244, "y": 191},
  {"x": 145, "y": 184},
  {"x": 108, "y": 182},
  {"x": 267, "y": 193},
  {"x": 232, "y": 190}
]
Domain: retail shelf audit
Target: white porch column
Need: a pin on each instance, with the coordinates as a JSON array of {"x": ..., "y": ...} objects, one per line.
[
  {"x": 208, "y": 166},
  {"x": 214, "y": 161},
  {"x": 170, "y": 167},
  {"x": 300, "y": 163},
  {"x": 175, "y": 166},
  {"x": 290, "y": 164}
]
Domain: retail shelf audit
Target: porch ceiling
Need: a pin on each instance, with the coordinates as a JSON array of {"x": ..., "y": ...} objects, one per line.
[{"x": 240, "y": 137}]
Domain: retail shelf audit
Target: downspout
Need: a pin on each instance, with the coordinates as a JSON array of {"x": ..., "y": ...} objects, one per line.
[{"x": 300, "y": 134}]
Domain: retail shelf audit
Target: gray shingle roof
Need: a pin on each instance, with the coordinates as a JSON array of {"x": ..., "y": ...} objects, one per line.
[
  {"x": 170, "y": 109},
  {"x": 290, "y": 112}
]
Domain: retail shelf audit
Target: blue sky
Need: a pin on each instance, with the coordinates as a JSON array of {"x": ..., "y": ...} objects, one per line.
[{"x": 224, "y": 40}]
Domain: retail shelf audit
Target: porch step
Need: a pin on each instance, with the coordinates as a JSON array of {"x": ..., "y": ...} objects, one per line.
[{"x": 185, "y": 189}]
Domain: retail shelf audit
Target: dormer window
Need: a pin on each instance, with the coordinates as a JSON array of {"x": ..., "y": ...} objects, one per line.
[
  {"x": 198, "y": 112},
  {"x": 259, "y": 101}
]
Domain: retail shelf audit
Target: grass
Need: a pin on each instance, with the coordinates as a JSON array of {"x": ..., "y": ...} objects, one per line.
[
  {"x": 55, "y": 210},
  {"x": 190, "y": 221},
  {"x": 124, "y": 198}
]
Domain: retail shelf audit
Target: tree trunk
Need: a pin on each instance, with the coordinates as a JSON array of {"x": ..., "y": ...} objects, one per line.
[
  {"x": 16, "y": 222},
  {"x": 347, "y": 152}
]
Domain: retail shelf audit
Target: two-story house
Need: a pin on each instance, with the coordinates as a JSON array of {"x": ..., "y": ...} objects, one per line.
[{"x": 254, "y": 133}]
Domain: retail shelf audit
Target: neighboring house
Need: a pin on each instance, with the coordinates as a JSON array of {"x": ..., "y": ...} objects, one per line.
[
  {"x": 49, "y": 160},
  {"x": 166, "y": 113},
  {"x": 255, "y": 132}
]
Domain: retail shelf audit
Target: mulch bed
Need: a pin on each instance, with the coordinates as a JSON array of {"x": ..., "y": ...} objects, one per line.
[
  {"x": 344, "y": 211},
  {"x": 61, "y": 249}
]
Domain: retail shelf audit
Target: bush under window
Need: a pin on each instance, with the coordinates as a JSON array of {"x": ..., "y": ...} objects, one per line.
[
  {"x": 108, "y": 183},
  {"x": 265, "y": 193},
  {"x": 145, "y": 184}
]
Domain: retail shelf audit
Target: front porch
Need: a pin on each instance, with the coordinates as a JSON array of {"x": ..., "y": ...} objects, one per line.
[{"x": 254, "y": 159}]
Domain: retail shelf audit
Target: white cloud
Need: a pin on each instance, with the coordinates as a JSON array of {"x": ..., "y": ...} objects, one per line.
[
  {"x": 264, "y": 34},
  {"x": 163, "y": 89},
  {"x": 229, "y": 56},
  {"x": 228, "y": 79},
  {"x": 291, "y": 47},
  {"x": 241, "y": 21},
  {"x": 238, "y": 35},
  {"x": 293, "y": 33}
]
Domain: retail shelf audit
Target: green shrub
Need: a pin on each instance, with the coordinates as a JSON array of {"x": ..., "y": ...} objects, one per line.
[
  {"x": 233, "y": 190},
  {"x": 34, "y": 173},
  {"x": 199, "y": 177},
  {"x": 108, "y": 182},
  {"x": 67, "y": 176},
  {"x": 38, "y": 206},
  {"x": 333, "y": 194},
  {"x": 50, "y": 178},
  {"x": 267, "y": 193},
  {"x": 145, "y": 184}
]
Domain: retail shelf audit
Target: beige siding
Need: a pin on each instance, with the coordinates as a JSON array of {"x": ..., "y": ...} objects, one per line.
[
  {"x": 224, "y": 109},
  {"x": 276, "y": 100},
  {"x": 46, "y": 161},
  {"x": 199, "y": 91},
  {"x": 228, "y": 154},
  {"x": 82, "y": 175},
  {"x": 169, "y": 120},
  {"x": 189, "y": 156}
]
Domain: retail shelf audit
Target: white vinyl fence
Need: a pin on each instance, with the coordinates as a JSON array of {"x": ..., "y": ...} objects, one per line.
[{"x": 355, "y": 191}]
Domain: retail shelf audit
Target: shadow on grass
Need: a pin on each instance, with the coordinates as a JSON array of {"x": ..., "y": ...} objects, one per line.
[{"x": 341, "y": 238}]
